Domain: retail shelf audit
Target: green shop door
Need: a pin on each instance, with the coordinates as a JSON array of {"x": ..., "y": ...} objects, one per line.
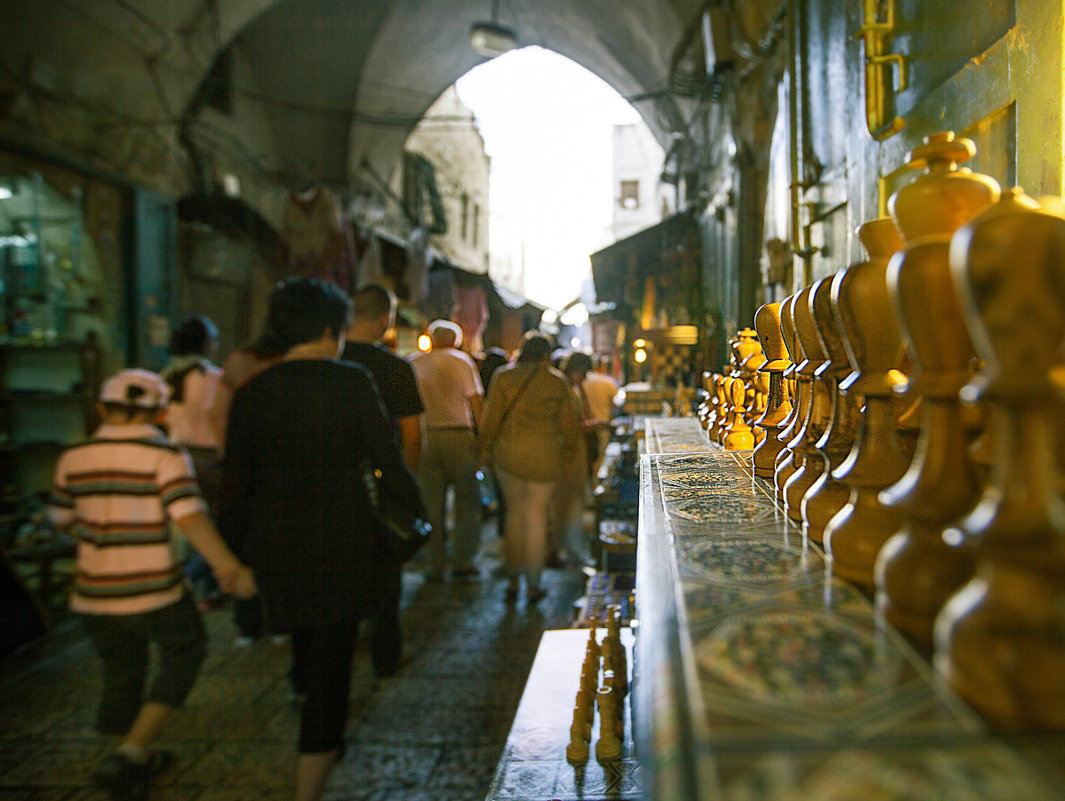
[{"x": 152, "y": 294}]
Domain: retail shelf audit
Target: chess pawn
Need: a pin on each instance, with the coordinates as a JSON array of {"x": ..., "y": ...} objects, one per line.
[
  {"x": 592, "y": 649},
  {"x": 918, "y": 569},
  {"x": 760, "y": 390},
  {"x": 580, "y": 734},
  {"x": 1000, "y": 641},
  {"x": 853, "y": 537},
  {"x": 788, "y": 460},
  {"x": 608, "y": 746},
  {"x": 828, "y": 494},
  {"x": 819, "y": 411},
  {"x": 778, "y": 405},
  {"x": 757, "y": 392},
  {"x": 739, "y": 436}
]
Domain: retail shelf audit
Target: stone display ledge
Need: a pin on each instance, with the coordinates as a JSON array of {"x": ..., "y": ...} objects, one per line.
[{"x": 760, "y": 676}]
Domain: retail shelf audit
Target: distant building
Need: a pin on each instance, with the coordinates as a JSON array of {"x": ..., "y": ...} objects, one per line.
[
  {"x": 447, "y": 139},
  {"x": 641, "y": 199}
]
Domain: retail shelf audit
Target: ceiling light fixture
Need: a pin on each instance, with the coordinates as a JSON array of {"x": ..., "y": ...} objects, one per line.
[{"x": 491, "y": 39}]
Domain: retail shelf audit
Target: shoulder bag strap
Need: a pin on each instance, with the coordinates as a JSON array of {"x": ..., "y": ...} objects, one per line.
[{"x": 514, "y": 400}]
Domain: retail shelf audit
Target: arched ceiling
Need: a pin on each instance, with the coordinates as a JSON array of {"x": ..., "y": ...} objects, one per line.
[
  {"x": 372, "y": 68},
  {"x": 321, "y": 87}
]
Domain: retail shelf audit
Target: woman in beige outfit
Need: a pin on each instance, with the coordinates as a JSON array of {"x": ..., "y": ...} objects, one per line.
[{"x": 530, "y": 435}]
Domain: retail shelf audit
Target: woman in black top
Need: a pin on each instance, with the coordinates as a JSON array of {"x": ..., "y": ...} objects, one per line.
[{"x": 297, "y": 435}]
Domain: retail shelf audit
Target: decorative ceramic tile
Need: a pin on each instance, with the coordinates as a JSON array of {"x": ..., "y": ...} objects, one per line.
[
  {"x": 720, "y": 509},
  {"x": 533, "y": 781},
  {"x": 703, "y": 481},
  {"x": 983, "y": 773},
  {"x": 746, "y": 560},
  {"x": 797, "y": 658}
]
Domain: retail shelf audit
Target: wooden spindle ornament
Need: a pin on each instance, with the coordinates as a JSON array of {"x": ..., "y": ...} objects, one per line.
[
  {"x": 790, "y": 459},
  {"x": 918, "y": 569},
  {"x": 1000, "y": 641},
  {"x": 853, "y": 537},
  {"x": 818, "y": 412},
  {"x": 778, "y": 404},
  {"x": 828, "y": 494}
]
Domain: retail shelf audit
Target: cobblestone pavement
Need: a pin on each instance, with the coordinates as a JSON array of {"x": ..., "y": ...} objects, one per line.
[{"x": 434, "y": 731}]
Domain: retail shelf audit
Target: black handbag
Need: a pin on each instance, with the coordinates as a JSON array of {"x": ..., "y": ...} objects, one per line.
[{"x": 403, "y": 530}]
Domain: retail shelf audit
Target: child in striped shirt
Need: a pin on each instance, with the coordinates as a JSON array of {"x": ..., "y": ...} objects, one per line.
[{"x": 117, "y": 492}]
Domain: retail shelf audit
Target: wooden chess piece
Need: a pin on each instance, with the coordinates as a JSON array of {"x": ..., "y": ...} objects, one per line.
[
  {"x": 1000, "y": 641},
  {"x": 582, "y": 718},
  {"x": 853, "y": 537},
  {"x": 608, "y": 746},
  {"x": 738, "y": 436},
  {"x": 621, "y": 660},
  {"x": 918, "y": 569},
  {"x": 580, "y": 734},
  {"x": 706, "y": 407},
  {"x": 778, "y": 404},
  {"x": 757, "y": 395},
  {"x": 819, "y": 410},
  {"x": 789, "y": 459},
  {"x": 717, "y": 425},
  {"x": 828, "y": 494},
  {"x": 749, "y": 357},
  {"x": 592, "y": 649}
]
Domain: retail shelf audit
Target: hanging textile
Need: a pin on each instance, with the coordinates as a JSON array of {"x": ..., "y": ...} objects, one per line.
[{"x": 318, "y": 238}]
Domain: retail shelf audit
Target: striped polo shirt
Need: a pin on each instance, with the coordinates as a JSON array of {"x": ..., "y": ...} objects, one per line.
[{"x": 118, "y": 491}]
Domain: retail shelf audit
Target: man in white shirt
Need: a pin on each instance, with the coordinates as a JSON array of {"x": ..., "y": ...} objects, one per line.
[{"x": 451, "y": 391}]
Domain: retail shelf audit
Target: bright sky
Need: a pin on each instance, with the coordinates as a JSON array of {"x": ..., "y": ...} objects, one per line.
[{"x": 547, "y": 124}]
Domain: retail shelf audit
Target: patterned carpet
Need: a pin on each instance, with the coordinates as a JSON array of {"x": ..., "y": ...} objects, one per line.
[{"x": 434, "y": 731}]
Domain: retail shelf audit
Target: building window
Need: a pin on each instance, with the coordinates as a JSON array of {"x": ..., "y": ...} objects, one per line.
[
  {"x": 630, "y": 194},
  {"x": 476, "y": 224},
  {"x": 465, "y": 215}
]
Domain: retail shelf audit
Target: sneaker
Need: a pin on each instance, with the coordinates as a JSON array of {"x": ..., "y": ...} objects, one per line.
[{"x": 126, "y": 780}]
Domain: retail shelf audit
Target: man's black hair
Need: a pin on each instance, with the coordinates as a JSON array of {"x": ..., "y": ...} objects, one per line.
[{"x": 301, "y": 309}]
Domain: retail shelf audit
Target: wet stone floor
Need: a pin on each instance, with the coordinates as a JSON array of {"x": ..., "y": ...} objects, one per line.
[{"x": 434, "y": 731}]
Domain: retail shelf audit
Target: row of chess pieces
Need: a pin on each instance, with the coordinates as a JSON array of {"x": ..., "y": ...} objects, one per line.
[
  {"x": 909, "y": 412},
  {"x": 604, "y": 660}
]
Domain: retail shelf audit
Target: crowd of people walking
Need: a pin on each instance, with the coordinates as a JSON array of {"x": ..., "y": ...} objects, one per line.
[{"x": 258, "y": 468}]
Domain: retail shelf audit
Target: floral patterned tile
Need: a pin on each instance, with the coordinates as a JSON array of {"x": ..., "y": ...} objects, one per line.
[
  {"x": 721, "y": 510},
  {"x": 798, "y": 658},
  {"x": 747, "y": 561}
]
